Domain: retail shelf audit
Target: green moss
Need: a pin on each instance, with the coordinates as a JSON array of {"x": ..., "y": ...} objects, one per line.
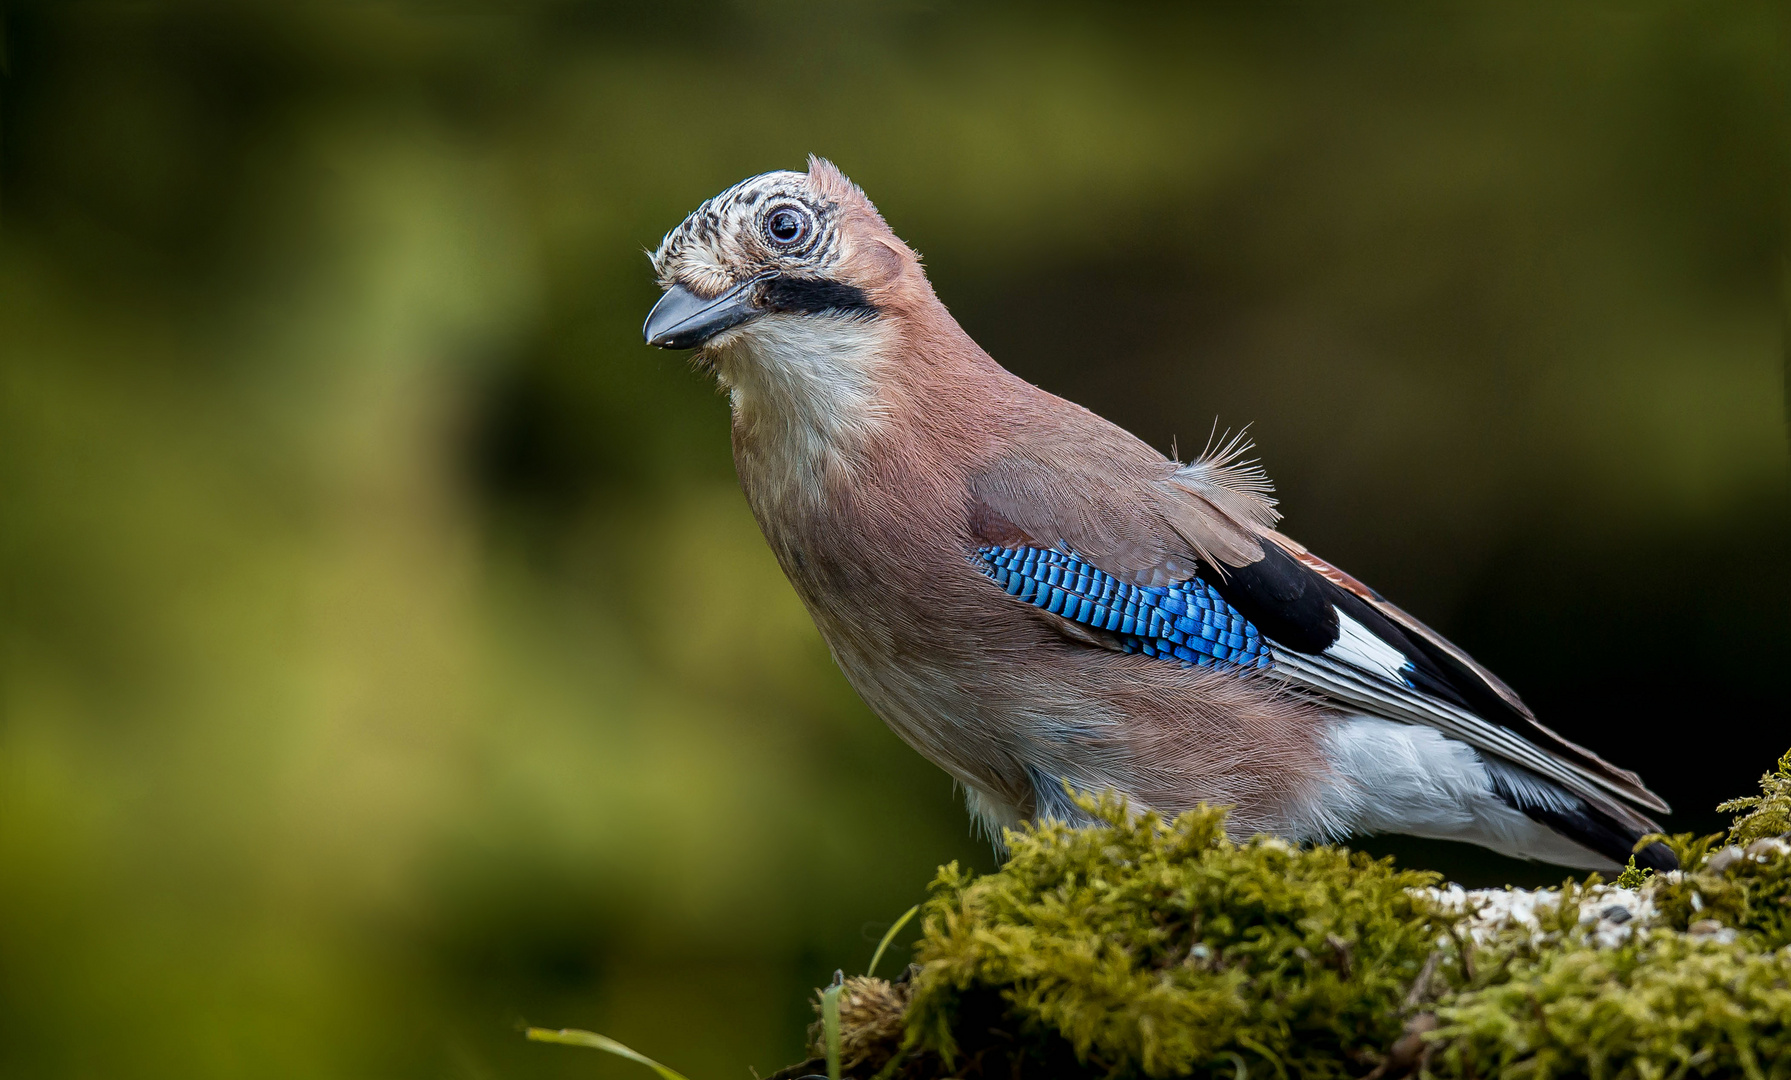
[
  {"x": 1669, "y": 1005},
  {"x": 1768, "y": 813},
  {"x": 1633, "y": 876},
  {"x": 1689, "y": 848},
  {"x": 1750, "y": 893},
  {"x": 1742, "y": 884},
  {"x": 1159, "y": 948},
  {"x": 1141, "y": 947}
]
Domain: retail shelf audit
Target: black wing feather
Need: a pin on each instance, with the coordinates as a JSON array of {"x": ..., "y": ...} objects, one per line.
[{"x": 1288, "y": 603}]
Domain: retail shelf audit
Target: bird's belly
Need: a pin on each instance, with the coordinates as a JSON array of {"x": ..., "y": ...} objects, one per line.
[{"x": 1013, "y": 725}]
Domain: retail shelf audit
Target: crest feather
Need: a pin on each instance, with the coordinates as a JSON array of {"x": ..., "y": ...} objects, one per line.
[{"x": 827, "y": 179}]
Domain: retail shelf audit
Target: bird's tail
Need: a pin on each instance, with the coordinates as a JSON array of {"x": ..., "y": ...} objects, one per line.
[{"x": 1610, "y": 830}]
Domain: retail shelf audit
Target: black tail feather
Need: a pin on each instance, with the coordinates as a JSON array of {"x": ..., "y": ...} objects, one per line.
[{"x": 1579, "y": 820}]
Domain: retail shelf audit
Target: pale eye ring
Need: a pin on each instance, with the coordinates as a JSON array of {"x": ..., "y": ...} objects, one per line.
[{"x": 788, "y": 226}]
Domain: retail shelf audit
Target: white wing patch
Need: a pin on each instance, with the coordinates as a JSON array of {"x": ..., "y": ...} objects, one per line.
[{"x": 1359, "y": 648}]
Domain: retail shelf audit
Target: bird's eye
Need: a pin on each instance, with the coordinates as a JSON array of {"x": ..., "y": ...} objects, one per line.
[{"x": 787, "y": 226}]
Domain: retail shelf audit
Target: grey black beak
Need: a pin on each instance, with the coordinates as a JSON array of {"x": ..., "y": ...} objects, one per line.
[{"x": 684, "y": 320}]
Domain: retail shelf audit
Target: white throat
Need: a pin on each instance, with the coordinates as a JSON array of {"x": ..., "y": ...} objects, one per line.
[{"x": 806, "y": 391}]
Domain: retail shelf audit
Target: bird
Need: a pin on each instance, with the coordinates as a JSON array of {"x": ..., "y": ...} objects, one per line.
[{"x": 1044, "y": 605}]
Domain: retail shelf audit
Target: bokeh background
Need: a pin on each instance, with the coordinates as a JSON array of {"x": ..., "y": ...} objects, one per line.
[{"x": 387, "y": 656}]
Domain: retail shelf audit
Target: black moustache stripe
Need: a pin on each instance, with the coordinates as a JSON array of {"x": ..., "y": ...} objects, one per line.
[{"x": 812, "y": 296}]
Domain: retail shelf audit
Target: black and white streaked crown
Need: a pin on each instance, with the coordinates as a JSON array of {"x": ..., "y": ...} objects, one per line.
[{"x": 723, "y": 242}]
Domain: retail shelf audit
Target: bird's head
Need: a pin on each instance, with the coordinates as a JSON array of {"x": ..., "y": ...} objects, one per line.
[{"x": 782, "y": 255}]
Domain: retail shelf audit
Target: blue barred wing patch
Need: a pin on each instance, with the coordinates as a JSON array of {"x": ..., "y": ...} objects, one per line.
[{"x": 1187, "y": 622}]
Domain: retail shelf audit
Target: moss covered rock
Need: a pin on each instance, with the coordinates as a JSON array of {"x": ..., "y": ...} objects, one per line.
[{"x": 1145, "y": 947}]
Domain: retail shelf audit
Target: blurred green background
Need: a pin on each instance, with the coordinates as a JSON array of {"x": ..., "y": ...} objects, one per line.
[{"x": 387, "y": 655}]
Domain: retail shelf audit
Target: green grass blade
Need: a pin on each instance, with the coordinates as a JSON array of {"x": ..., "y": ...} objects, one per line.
[
  {"x": 575, "y": 1037},
  {"x": 830, "y": 1026},
  {"x": 889, "y": 937}
]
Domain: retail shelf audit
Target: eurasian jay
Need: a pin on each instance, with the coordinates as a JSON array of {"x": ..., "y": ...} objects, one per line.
[{"x": 1039, "y": 602}]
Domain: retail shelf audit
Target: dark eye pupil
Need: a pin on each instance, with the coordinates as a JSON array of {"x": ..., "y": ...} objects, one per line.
[{"x": 785, "y": 226}]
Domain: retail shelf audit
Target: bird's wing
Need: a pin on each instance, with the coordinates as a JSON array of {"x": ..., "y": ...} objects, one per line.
[
  {"x": 1445, "y": 671},
  {"x": 1097, "y": 490},
  {"x": 1332, "y": 635},
  {"x": 1193, "y": 580}
]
